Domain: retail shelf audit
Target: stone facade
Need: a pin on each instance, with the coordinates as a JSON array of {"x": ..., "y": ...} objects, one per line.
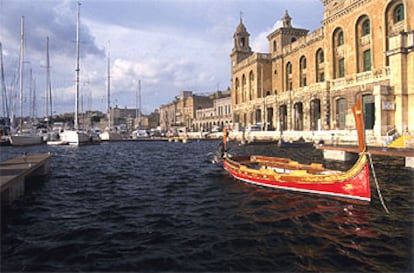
[
  {"x": 310, "y": 81},
  {"x": 216, "y": 117},
  {"x": 192, "y": 113},
  {"x": 180, "y": 113}
]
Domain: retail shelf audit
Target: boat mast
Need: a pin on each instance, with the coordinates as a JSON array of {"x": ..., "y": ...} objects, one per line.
[
  {"x": 139, "y": 104},
  {"x": 48, "y": 91},
  {"x": 108, "y": 86},
  {"x": 3, "y": 87},
  {"x": 76, "y": 121},
  {"x": 21, "y": 63}
]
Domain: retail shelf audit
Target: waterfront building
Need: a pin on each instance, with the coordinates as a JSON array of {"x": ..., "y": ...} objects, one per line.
[
  {"x": 310, "y": 81},
  {"x": 218, "y": 116},
  {"x": 180, "y": 113},
  {"x": 128, "y": 118}
]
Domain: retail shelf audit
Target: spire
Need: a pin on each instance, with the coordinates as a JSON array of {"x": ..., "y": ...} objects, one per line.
[{"x": 287, "y": 20}]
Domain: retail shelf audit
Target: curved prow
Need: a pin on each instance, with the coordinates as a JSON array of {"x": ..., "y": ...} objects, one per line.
[{"x": 359, "y": 122}]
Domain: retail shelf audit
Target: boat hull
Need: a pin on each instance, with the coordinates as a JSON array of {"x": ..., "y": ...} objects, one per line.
[
  {"x": 350, "y": 185},
  {"x": 74, "y": 137},
  {"x": 110, "y": 136},
  {"x": 22, "y": 140}
]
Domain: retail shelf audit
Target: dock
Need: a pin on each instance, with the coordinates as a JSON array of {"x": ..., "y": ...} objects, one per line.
[
  {"x": 15, "y": 172},
  {"x": 349, "y": 152}
]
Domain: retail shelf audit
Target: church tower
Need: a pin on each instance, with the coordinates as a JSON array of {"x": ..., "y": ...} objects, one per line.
[{"x": 241, "y": 49}]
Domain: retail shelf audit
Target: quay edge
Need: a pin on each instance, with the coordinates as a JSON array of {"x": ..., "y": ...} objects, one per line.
[{"x": 15, "y": 172}]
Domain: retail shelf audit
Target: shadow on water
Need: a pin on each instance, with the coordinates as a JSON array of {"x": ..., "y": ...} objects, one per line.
[{"x": 164, "y": 207}]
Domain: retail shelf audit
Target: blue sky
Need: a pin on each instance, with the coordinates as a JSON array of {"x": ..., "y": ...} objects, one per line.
[{"x": 170, "y": 45}]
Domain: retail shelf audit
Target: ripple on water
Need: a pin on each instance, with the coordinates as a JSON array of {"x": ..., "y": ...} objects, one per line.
[{"x": 162, "y": 206}]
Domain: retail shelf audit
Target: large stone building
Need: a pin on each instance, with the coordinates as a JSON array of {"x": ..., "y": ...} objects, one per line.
[{"x": 310, "y": 81}]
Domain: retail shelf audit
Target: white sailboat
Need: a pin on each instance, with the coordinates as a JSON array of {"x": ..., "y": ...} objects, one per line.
[
  {"x": 23, "y": 137},
  {"x": 109, "y": 134},
  {"x": 139, "y": 133},
  {"x": 76, "y": 137}
]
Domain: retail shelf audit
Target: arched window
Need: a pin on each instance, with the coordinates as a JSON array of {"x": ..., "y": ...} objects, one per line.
[
  {"x": 338, "y": 53},
  {"x": 366, "y": 29},
  {"x": 363, "y": 44},
  {"x": 320, "y": 67},
  {"x": 399, "y": 13},
  {"x": 289, "y": 76},
  {"x": 293, "y": 40},
  {"x": 251, "y": 84},
  {"x": 302, "y": 71},
  {"x": 236, "y": 91},
  {"x": 243, "y": 94},
  {"x": 340, "y": 38}
]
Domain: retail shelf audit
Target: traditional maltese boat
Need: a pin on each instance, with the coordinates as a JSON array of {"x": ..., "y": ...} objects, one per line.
[{"x": 285, "y": 174}]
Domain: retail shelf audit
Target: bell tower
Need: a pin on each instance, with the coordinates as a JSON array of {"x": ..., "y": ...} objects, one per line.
[{"x": 241, "y": 49}]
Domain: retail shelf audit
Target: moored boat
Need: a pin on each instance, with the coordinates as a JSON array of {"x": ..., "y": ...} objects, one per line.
[
  {"x": 74, "y": 137},
  {"x": 25, "y": 139},
  {"x": 285, "y": 174},
  {"x": 300, "y": 143}
]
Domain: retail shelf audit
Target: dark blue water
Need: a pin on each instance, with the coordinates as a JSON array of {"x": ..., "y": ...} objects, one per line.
[{"x": 159, "y": 206}]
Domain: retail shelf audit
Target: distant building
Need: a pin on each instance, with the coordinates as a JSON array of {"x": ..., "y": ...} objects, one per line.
[
  {"x": 180, "y": 113},
  {"x": 216, "y": 117},
  {"x": 310, "y": 81}
]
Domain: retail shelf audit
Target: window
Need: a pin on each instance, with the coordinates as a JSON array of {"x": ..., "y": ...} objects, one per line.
[
  {"x": 367, "y": 60},
  {"x": 303, "y": 62},
  {"x": 321, "y": 57},
  {"x": 293, "y": 40},
  {"x": 366, "y": 28},
  {"x": 322, "y": 77},
  {"x": 340, "y": 38},
  {"x": 399, "y": 13},
  {"x": 302, "y": 71},
  {"x": 341, "y": 71},
  {"x": 274, "y": 46},
  {"x": 289, "y": 76},
  {"x": 242, "y": 42},
  {"x": 289, "y": 68}
]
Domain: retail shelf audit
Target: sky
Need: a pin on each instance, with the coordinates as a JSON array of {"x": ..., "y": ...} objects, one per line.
[{"x": 167, "y": 45}]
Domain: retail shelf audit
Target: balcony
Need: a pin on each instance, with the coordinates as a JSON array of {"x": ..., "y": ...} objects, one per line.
[{"x": 361, "y": 78}]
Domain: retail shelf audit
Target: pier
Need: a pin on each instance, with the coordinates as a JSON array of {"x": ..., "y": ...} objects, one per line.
[
  {"x": 15, "y": 172},
  {"x": 348, "y": 152}
]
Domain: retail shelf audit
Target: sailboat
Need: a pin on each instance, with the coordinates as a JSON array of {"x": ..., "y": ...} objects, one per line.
[
  {"x": 139, "y": 133},
  {"x": 76, "y": 137},
  {"x": 109, "y": 134},
  {"x": 23, "y": 137}
]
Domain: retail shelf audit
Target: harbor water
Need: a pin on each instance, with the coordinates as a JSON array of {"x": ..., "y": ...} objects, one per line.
[{"x": 161, "y": 206}]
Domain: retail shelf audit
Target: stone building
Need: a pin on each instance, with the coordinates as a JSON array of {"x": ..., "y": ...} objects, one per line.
[
  {"x": 310, "y": 81},
  {"x": 128, "y": 118},
  {"x": 216, "y": 117},
  {"x": 180, "y": 113}
]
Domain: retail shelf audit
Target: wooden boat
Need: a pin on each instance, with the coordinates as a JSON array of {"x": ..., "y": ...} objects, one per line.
[{"x": 285, "y": 174}]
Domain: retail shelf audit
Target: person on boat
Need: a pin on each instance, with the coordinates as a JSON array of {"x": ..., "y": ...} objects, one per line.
[{"x": 221, "y": 150}]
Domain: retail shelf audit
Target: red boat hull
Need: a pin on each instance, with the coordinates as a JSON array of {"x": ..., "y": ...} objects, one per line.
[{"x": 356, "y": 187}]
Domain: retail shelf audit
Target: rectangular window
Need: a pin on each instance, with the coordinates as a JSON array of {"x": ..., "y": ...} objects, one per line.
[
  {"x": 341, "y": 67},
  {"x": 367, "y": 60}
]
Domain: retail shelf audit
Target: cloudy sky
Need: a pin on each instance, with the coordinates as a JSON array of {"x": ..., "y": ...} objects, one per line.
[{"x": 170, "y": 45}]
